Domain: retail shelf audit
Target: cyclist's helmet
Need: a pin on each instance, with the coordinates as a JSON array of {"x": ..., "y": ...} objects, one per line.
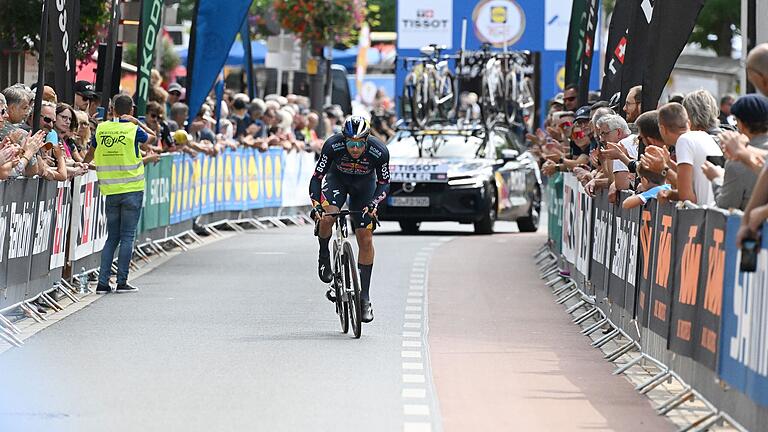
[{"x": 356, "y": 128}]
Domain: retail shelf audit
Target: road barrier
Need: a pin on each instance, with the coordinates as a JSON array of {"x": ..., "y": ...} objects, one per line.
[
  {"x": 47, "y": 226},
  {"x": 666, "y": 277}
]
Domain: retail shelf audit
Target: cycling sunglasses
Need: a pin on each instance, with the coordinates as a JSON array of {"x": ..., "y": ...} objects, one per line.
[{"x": 356, "y": 143}]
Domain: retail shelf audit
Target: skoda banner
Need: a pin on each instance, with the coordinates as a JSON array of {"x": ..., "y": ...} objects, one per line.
[{"x": 151, "y": 16}]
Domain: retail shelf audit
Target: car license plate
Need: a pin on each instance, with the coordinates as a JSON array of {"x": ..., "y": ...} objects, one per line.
[{"x": 409, "y": 201}]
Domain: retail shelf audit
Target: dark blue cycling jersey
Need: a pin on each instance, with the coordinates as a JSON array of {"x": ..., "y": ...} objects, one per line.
[{"x": 335, "y": 158}]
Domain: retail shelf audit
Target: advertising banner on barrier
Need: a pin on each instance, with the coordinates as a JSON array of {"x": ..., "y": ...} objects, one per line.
[
  {"x": 601, "y": 240},
  {"x": 710, "y": 299},
  {"x": 4, "y": 221},
  {"x": 661, "y": 286},
  {"x": 583, "y": 231},
  {"x": 629, "y": 229},
  {"x": 743, "y": 357},
  {"x": 63, "y": 209},
  {"x": 619, "y": 255},
  {"x": 255, "y": 180},
  {"x": 89, "y": 219},
  {"x": 177, "y": 183},
  {"x": 689, "y": 241},
  {"x": 555, "y": 211},
  {"x": 43, "y": 229},
  {"x": 157, "y": 194},
  {"x": 299, "y": 167},
  {"x": 20, "y": 197},
  {"x": 273, "y": 177},
  {"x": 646, "y": 260},
  {"x": 208, "y": 186},
  {"x": 570, "y": 217}
]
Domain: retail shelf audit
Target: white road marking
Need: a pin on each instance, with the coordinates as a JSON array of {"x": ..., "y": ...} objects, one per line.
[
  {"x": 415, "y": 294},
  {"x": 413, "y": 300},
  {"x": 413, "y": 366},
  {"x": 413, "y": 316},
  {"x": 411, "y": 334},
  {"x": 414, "y": 393},
  {"x": 416, "y": 410},
  {"x": 410, "y": 354},
  {"x": 411, "y": 344},
  {"x": 417, "y": 427},
  {"x": 413, "y": 308},
  {"x": 414, "y": 378},
  {"x": 417, "y": 287}
]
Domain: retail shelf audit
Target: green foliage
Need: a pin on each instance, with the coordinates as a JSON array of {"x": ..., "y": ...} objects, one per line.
[
  {"x": 718, "y": 21},
  {"x": 20, "y": 25},
  {"x": 381, "y": 15},
  {"x": 169, "y": 59}
]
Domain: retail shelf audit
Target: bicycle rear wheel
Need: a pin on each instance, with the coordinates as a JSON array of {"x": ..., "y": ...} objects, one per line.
[{"x": 352, "y": 286}]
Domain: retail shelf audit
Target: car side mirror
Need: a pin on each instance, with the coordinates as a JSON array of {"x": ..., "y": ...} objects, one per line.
[{"x": 508, "y": 155}]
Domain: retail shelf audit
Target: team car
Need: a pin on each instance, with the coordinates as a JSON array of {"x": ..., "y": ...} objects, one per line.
[{"x": 467, "y": 175}]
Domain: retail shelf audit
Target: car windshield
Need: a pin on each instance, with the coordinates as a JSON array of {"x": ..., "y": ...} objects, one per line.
[{"x": 435, "y": 146}]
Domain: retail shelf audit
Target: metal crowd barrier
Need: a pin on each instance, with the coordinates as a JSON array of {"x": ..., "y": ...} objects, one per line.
[
  {"x": 664, "y": 280},
  {"x": 52, "y": 233}
]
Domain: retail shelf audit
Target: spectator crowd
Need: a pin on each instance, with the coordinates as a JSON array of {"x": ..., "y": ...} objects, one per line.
[
  {"x": 57, "y": 150},
  {"x": 693, "y": 147}
]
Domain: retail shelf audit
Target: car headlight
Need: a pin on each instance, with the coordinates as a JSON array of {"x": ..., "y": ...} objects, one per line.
[{"x": 467, "y": 181}]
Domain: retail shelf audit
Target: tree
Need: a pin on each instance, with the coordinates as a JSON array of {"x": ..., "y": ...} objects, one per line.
[
  {"x": 20, "y": 26},
  {"x": 718, "y": 22},
  {"x": 381, "y": 15}
]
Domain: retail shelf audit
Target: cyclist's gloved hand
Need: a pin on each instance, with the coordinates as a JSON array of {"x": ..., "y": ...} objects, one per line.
[
  {"x": 370, "y": 208},
  {"x": 318, "y": 211}
]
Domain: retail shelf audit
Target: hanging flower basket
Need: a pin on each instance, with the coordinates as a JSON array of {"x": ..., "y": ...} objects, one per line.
[{"x": 321, "y": 22}]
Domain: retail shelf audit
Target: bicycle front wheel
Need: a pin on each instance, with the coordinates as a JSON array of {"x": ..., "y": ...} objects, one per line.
[
  {"x": 352, "y": 287},
  {"x": 338, "y": 285}
]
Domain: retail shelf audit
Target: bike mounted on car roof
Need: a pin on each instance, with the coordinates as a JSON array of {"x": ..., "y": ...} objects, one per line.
[{"x": 430, "y": 90}]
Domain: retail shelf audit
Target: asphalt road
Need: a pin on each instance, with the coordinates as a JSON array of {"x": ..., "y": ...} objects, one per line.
[{"x": 237, "y": 335}]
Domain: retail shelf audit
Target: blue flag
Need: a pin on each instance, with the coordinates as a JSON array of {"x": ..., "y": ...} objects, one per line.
[{"x": 214, "y": 26}]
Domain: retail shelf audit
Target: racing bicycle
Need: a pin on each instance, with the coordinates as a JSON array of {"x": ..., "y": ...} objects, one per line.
[
  {"x": 345, "y": 287},
  {"x": 429, "y": 88}
]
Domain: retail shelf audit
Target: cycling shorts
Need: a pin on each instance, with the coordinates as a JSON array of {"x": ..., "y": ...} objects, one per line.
[{"x": 360, "y": 189}]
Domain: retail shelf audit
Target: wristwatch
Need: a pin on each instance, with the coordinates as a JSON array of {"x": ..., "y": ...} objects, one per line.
[{"x": 664, "y": 172}]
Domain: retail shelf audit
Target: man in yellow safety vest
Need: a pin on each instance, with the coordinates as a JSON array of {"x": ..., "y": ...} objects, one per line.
[{"x": 120, "y": 169}]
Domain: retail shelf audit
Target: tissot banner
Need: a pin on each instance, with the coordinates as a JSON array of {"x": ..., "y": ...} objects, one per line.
[
  {"x": 420, "y": 23},
  {"x": 63, "y": 18}
]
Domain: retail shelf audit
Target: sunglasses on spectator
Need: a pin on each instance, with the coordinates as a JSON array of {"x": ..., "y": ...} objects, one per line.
[
  {"x": 175, "y": 93},
  {"x": 47, "y": 119},
  {"x": 570, "y": 98},
  {"x": 356, "y": 143}
]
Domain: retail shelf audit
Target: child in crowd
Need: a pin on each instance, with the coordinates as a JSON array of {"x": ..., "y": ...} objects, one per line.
[{"x": 652, "y": 183}]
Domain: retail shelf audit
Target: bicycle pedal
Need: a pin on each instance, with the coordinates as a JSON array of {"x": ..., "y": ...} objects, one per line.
[{"x": 330, "y": 295}]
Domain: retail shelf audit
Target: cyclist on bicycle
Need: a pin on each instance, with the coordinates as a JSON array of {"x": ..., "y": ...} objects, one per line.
[{"x": 353, "y": 163}]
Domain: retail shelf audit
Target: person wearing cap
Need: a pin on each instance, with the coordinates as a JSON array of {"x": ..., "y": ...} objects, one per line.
[
  {"x": 733, "y": 185},
  {"x": 174, "y": 93},
  {"x": 84, "y": 93},
  {"x": 120, "y": 168}
]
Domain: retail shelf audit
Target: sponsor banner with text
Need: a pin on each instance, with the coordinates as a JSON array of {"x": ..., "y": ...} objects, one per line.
[
  {"x": 689, "y": 240},
  {"x": 19, "y": 209},
  {"x": 743, "y": 356},
  {"x": 661, "y": 285},
  {"x": 646, "y": 260}
]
